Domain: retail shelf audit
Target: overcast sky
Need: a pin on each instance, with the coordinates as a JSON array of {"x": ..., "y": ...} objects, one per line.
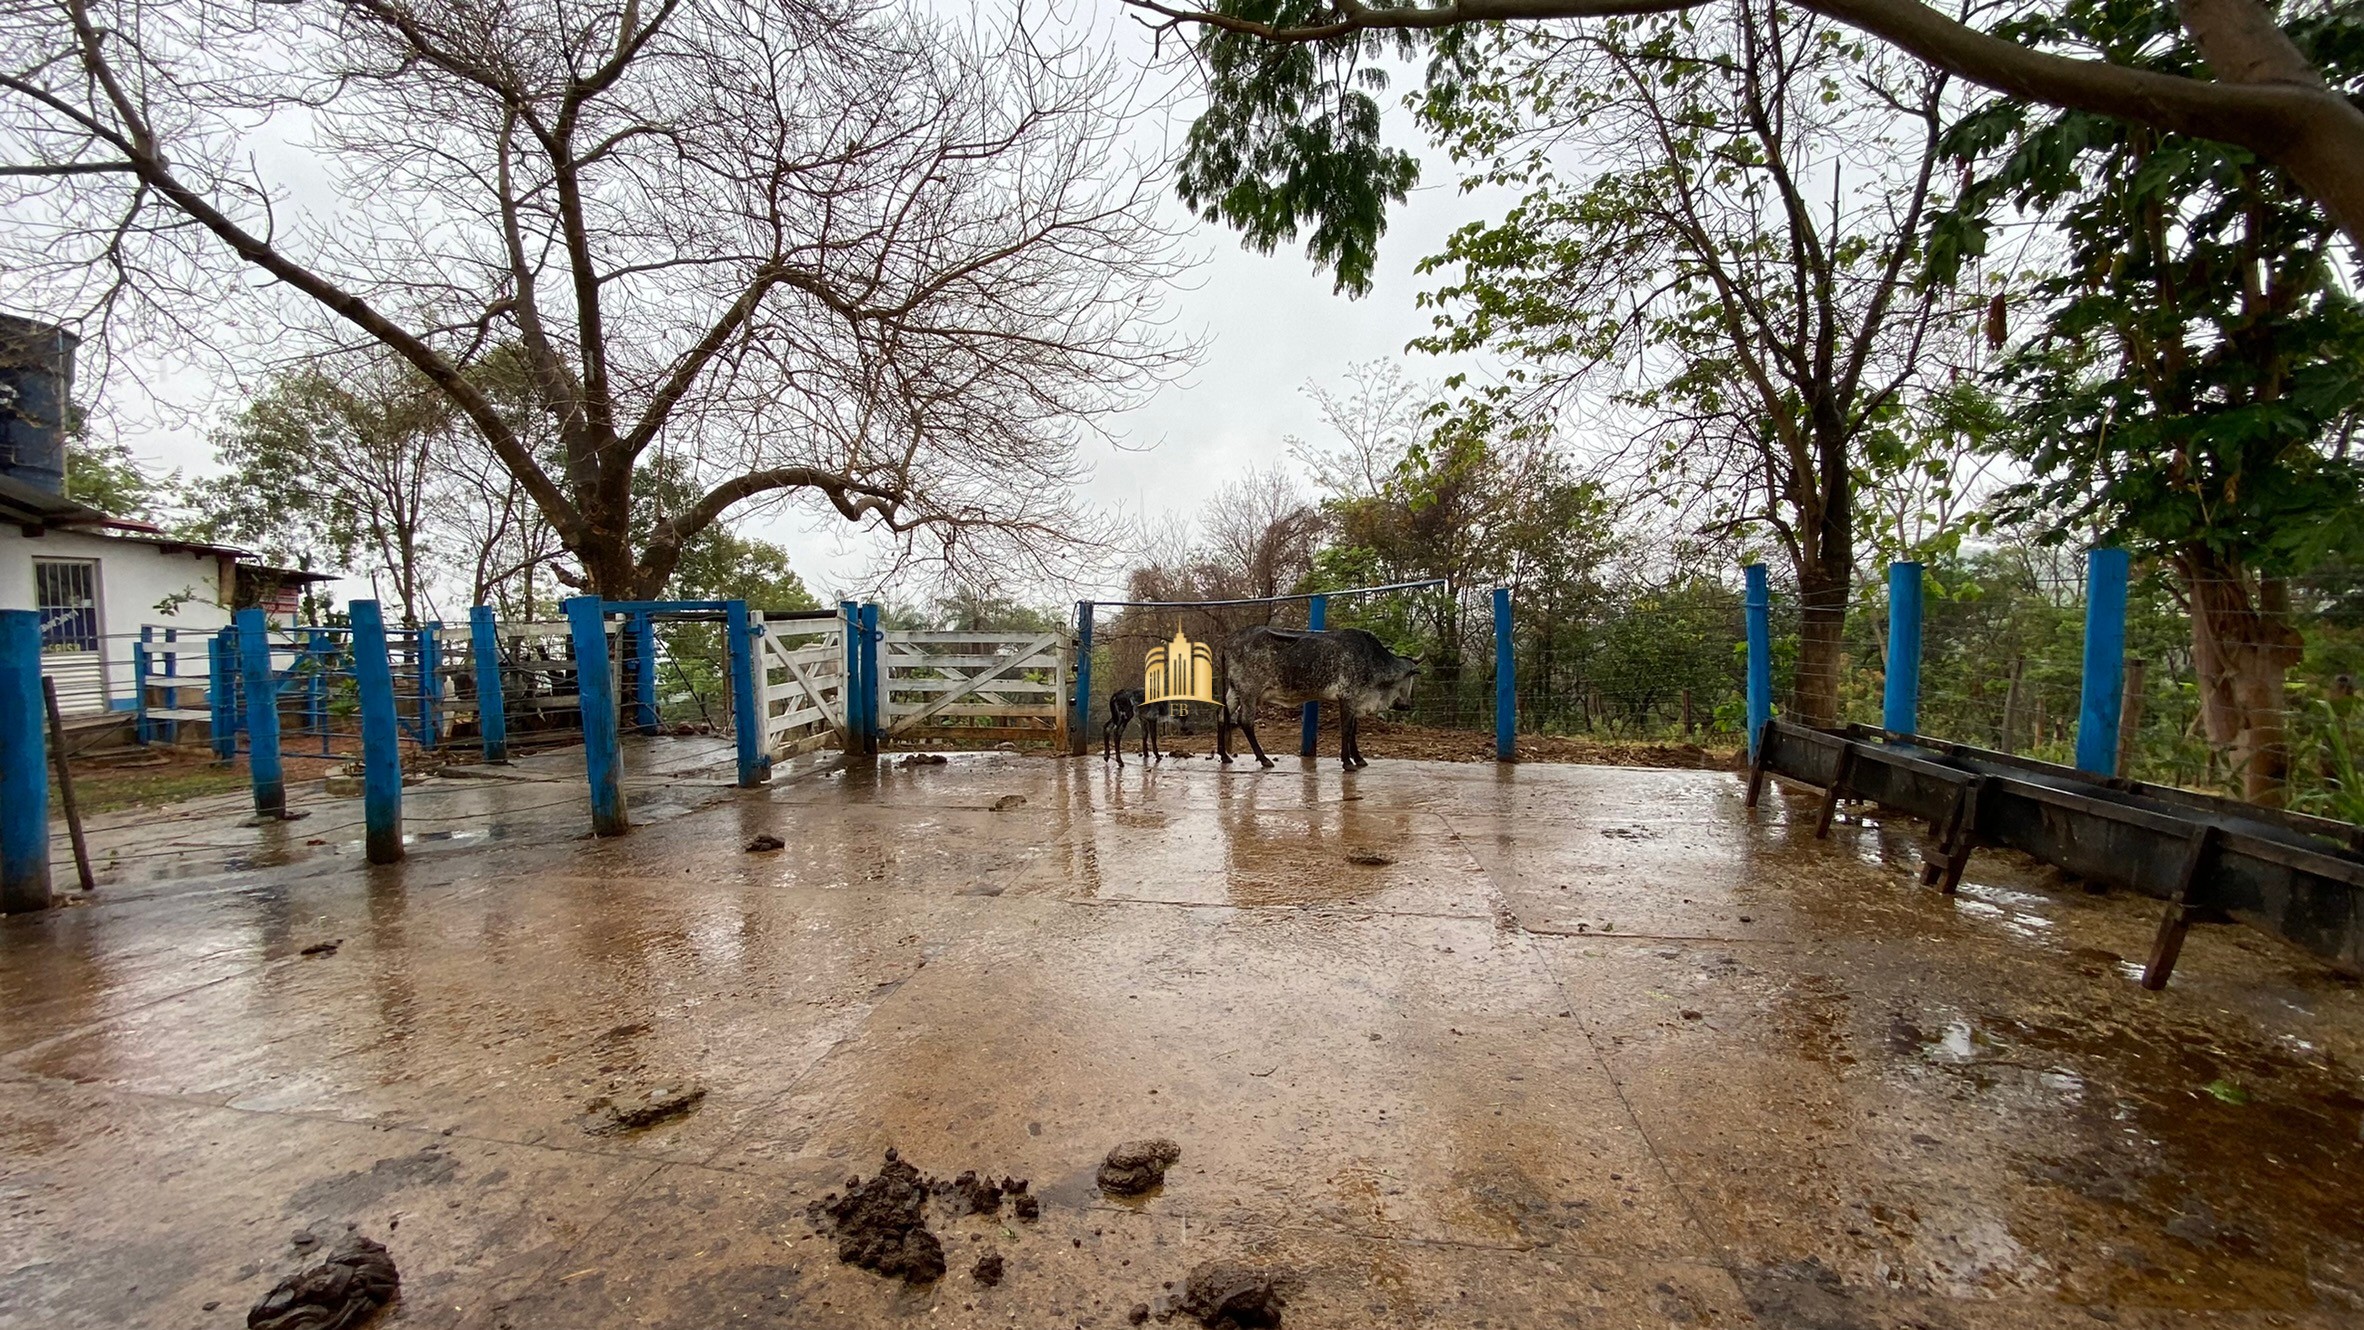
[{"x": 1269, "y": 324}]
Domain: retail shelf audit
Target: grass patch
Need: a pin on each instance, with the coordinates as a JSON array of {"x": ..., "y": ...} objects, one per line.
[{"x": 101, "y": 791}]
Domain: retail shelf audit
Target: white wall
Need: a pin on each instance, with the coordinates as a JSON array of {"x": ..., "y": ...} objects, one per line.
[{"x": 134, "y": 577}]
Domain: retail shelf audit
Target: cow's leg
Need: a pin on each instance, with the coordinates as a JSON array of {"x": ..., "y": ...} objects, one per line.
[
  {"x": 1345, "y": 735},
  {"x": 1248, "y": 728},
  {"x": 1223, "y": 733},
  {"x": 1149, "y": 735}
]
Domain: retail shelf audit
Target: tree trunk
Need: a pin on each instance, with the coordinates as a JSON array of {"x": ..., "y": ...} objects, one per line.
[
  {"x": 2242, "y": 649},
  {"x": 1822, "y": 625}
]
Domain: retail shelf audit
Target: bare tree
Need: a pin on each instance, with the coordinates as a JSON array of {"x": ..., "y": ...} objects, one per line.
[
  {"x": 814, "y": 246},
  {"x": 1261, "y": 533}
]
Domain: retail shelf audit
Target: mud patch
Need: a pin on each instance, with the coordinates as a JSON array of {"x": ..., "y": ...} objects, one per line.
[
  {"x": 1368, "y": 858},
  {"x": 1219, "y": 1294},
  {"x": 1801, "y": 1295},
  {"x": 988, "y": 1270},
  {"x": 765, "y": 844},
  {"x": 609, "y": 1115},
  {"x": 1136, "y": 1166},
  {"x": 350, "y": 1193},
  {"x": 1009, "y": 801},
  {"x": 337, "y": 1294}
]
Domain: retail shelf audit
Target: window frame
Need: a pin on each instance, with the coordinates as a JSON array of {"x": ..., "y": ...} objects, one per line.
[{"x": 56, "y": 639}]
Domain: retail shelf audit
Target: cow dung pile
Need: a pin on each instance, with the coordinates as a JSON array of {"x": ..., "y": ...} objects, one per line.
[
  {"x": 1136, "y": 1166},
  {"x": 337, "y": 1294},
  {"x": 1221, "y": 1295},
  {"x": 881, "y": 1224}
]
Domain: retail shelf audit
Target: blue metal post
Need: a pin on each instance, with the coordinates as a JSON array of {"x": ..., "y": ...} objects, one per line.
[
  {"x": 172, "y": 692},
  {"x": 217, "y": 702},
  {"x": 1079, "y": 745},
  {"x": 755, "y": 763},
  {"x": 873, "y": 683},
  {"x": 140, "y": 669},
  {"x": 586, "y": 616},
  {"x": 262, "y": 714},
  {"x": 1317, "y": 617},
  {"x": 850, "y": 615},
  {"x": 1506, "y": 686},
  {"x": 321, "y": 653},
  {"x": 430, "y": 684},
  {"x": 2104, "y": 692},
  {"x": 1759, "y": 606},
  {"x": 644, "y": 672},
  {"x": 381, "y": 736},
  {"x": 142, "y": 729},
  {"x": 24, "y": 763},
  {"x": 1901, "y": 713},
  {"x": 492, "y": 710}
]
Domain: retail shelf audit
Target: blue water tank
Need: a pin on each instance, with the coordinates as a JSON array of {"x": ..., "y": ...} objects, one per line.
[{"x": 36, "y": 390}]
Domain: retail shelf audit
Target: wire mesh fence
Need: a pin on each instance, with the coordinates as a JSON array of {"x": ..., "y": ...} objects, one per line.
[{"x": 2237, "y": 686}]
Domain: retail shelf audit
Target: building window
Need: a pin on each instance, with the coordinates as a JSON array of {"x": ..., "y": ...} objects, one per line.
[{"x": 68, "y": 591}]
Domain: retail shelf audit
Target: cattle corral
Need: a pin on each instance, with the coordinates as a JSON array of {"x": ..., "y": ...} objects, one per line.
[{"x": 1439, "y": 1043}]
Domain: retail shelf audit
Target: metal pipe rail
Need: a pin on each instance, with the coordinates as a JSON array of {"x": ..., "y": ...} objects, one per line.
[{"x": 2300, "y": 878}]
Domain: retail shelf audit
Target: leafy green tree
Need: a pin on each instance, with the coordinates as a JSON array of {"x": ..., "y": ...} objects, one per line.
[
  {"x": 2197, "y": 375},
  {"x": 1674, "y": 272},
  {"x": 329, "y": 468},
  {"x": 107, "y": 477},
  {"x": 1290, "y": 139}
]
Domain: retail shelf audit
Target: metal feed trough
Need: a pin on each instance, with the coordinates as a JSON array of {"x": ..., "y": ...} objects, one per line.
[{"x": 2299, "y": 877}]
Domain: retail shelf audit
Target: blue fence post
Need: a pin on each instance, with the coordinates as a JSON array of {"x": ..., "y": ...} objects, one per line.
[
  {"x": 217, "y": 702},
  {"x": 644, "y": 672},
  {"x": 171, "y": 729},
  {"x": 2103, "y": 695},
  {"x": 1759, "y": 607},
  {"x": 1084, "y": 613},
  {"x": 320, "y": 652},
  {"x": 755, "y": 763},
  {"x": 1506, "y": 685},
  {"x": 873, "y": 683},
  {"x": 262, "y": 714},
  {"x": 586, "y": 617},
  {"x": 1317, "y": 617},
  {"x": 1901, "y": 712},
  {"x": 381, "y": 736},
  {"x": 430, "y": 684},
  {"x": 142, "y": 729},
  {"x": 850, "y": 617},
  {"x": 492, "y": 709},
  {"x": 24, "y": 766}
]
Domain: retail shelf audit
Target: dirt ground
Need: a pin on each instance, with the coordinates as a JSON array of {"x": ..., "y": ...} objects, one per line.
[
  {"x": 1429, "y": 743},
  {"x": 1439, "y": 1044}
]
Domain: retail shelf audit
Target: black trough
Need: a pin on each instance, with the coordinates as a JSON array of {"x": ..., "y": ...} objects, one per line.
[{"x": 2299, "y": 877}]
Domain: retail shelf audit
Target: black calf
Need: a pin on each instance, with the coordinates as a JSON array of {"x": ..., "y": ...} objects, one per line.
[{"x": 1125, "y": 705}]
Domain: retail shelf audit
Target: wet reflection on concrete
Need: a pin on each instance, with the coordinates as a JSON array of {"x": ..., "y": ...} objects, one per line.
[{"x": 1449, "y": 1044}]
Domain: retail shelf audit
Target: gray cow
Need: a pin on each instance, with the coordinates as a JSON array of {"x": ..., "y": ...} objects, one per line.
[{"x": 1347, "y": 666}]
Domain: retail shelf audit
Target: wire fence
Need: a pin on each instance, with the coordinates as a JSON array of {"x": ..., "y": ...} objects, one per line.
[
  {"x": 2257, "y": 700},
  {"x": 1645, "y": 662}
]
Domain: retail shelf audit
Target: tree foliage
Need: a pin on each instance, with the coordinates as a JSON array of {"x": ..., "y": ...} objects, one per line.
[{"x": 2196, "y": 375}]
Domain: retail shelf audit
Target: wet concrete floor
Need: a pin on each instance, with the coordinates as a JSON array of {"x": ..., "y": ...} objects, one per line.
[{"x": 1590, "y": 1048}]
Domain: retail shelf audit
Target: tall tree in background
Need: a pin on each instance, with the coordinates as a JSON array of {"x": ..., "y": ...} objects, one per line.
[
  {"x": 825, "y": 248},
  {"x": 2197, "y": 384},
  {"x": 1290, "y": 136},
  {"x": 1719, "y": 239},
  {"x": 333, "y": 472}
]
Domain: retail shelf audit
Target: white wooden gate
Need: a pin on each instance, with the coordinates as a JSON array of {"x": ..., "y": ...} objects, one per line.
[
  {"x": 947, "y": 686},
  {"x": 800, "y": 683}
]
